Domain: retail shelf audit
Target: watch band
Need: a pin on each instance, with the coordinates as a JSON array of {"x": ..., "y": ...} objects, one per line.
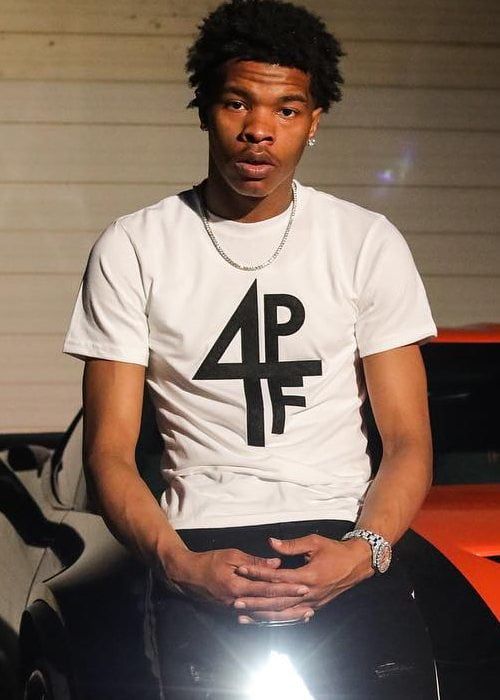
[{"x": 381, "y": 549}]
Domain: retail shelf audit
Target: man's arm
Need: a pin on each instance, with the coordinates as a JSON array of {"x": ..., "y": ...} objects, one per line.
[
  {"x": 397, "y": 388},
  {"x": 112, "y": 401}
]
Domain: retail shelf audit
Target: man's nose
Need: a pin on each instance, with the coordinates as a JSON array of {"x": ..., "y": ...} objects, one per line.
[{"x": 257, "y": 127}]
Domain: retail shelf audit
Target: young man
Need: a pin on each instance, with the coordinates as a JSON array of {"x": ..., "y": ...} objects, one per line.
[{"x": 260, "y": 312}]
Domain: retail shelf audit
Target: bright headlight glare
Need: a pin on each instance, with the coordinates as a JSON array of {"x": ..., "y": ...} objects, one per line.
[{"x": 277, "y": 679}]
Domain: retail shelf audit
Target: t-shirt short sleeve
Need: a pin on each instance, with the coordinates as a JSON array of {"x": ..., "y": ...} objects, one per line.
[
  {"x": 393, "y": 309},
  {"x": 109, "y": 319}
]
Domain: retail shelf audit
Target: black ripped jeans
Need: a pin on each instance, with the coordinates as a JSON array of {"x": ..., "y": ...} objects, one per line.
[{"x": 368, "y": 643}]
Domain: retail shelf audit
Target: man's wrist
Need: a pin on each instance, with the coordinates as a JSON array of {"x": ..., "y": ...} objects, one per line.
[
  {"x": 362, "y": 552},
  {"x": 380, "y": 548},
  {"x": 170, "y": 553}
]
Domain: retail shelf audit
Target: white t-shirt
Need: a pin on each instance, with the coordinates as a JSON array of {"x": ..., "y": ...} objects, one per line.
[{"x": 255, "y": 375}]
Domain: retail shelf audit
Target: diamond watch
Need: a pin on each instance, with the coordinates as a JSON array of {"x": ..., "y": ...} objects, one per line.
[{"x": 381, "y": 549}]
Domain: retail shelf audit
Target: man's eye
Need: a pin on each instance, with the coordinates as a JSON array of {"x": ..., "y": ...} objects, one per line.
[
  {"x": 288, "y": 112},
  {"x": 235, "y": 104}
]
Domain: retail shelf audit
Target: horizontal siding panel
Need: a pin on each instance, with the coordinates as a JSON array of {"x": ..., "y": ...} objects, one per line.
[
  {"x": 417, "y": 108},
  {"x": 43, "y": 303},
  {"x": 427, "y": 209},
  {"x": 90, "y": 207},
  {"x": 38, "y": 358},
  {"x": 81, "y": 153},
  {"x": 91, "y": 57},
  {"x": 38, "y": 407},
  {"x": 66, "y": 253},
  {"x": 44, "y": 252},
  {"x": 95, "y": 103},
  {"x": 368, "y": 157},
  {"x": 422, "y": 108},
  {"x": 455, "y": 254},
  {"x": 36, "y": 303},
  {"x": 417, "y": 20},
  {"x": 102, "y": 153},
  {"x": 73, "y": 207},
  {"x": 165, "y": 104},
  {"x": 460, "y": 300},
  {"x": 104, "y": 57},
  {"x": 149, "y": 17},
  {"x": 421, "y": 65},
  {"x": 413, "y": 20}
]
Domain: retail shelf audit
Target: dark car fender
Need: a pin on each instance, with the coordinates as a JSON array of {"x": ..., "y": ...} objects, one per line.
[
  {"x": 465, "y": 634},
  {"x": 98, "y": 600},
  {"x": 43, "y": 641}
]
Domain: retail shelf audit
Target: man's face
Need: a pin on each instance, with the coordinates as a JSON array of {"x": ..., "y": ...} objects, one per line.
[{"x": 258, "y": 124}]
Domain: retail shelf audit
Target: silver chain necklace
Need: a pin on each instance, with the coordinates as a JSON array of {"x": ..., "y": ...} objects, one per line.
[{"x": 223, "y": 253}]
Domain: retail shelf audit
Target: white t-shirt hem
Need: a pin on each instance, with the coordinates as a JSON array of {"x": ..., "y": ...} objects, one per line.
[
  {"x": 245, "y": 519},
  {"x": 83, "y": 352},
  {"x": 396, "y": 341}
]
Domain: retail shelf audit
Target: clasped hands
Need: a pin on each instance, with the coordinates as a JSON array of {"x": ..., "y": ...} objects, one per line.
[{"x": 260, "y": 591}]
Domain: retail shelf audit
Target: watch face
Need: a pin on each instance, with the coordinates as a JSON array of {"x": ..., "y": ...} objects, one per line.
[{"x": 384, "y": 557}]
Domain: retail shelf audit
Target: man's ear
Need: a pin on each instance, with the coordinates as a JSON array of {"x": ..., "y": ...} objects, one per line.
[{"x": 315, "y": 121}]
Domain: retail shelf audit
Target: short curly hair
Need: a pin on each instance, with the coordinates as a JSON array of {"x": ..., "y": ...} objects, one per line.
[{"x": 270, "y": 31}]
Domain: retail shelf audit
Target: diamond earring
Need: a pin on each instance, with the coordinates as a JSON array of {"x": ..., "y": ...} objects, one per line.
[{"x": 311, "y": 141}]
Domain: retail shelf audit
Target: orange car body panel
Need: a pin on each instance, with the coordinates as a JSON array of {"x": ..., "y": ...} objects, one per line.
[
  {"x": 463, "y": 523},
  {"x": 475, "y": 333}
]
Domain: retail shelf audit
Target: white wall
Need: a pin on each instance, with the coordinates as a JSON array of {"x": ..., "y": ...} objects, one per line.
[{"x": 93, "y": 125}]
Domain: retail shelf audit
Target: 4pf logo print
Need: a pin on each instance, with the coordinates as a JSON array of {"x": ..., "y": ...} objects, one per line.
[{"x": 251, "y": 370}]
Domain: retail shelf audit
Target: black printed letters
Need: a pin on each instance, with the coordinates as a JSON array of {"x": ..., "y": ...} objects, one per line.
[{"x": 251, "y": 370}]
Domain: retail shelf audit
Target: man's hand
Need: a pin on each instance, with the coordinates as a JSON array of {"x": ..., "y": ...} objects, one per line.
[
  {"x": 213, "y": 576},
  {"x": 332, "y": 567}
]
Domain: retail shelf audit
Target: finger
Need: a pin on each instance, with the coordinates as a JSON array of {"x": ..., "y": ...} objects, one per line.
[
  {"x": 259, "y": 573},
  {"x": 250, "y": 605},
  {"x": 298, "y": 613},
  {"x": 250, "y": 560},
  {"x": 236, "y": 557},
  {"x": 298, "y": 545},
  {"x": 264, "y": 589},
  {"x": 273, "y": 562}
]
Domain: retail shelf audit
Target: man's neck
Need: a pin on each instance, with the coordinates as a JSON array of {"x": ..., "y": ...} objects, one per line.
[{"x": 223, "y": 201}]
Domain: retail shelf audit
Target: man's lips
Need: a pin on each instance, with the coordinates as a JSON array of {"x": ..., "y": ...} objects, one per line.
[
  {"x": 253, "y": 170},
  {"x": 256, "y": 158},
  {"x": 255, "y": 165}
]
